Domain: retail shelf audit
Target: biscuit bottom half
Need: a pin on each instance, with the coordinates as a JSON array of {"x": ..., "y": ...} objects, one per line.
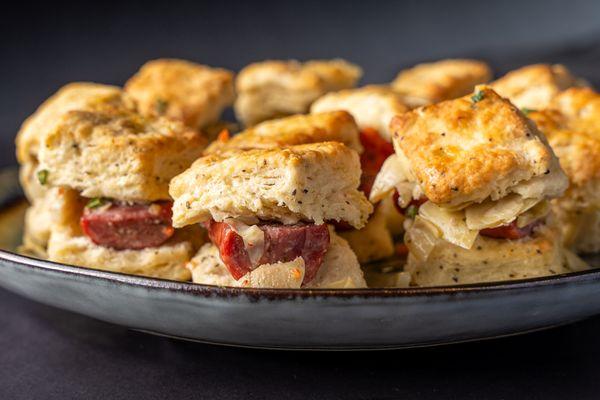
[
  {"x": 166, "y": 261},
  {"x": 374, "y": 241},
  {"x": 580, "y": 228},
  {"x": 491, "y": 260},
  {"x": 340, "y": 269},
  {"x": 39, "y": 220},
  {"x": 69, "y": 245}
]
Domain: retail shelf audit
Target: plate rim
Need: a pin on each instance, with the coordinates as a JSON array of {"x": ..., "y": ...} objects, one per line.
[{"x": 23, "y": 261}]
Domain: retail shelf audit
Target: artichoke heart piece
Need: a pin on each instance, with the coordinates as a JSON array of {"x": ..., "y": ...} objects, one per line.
[
  {"x": 421, "y": 238},
  {"x": 391, "y": 176},
  {"x": 537, "y": 212},
  {"x": 452, "y": 224},
  {"x": 491, "y": 214}
]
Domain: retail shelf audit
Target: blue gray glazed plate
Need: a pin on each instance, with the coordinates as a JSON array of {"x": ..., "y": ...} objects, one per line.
[{"x": 293, "y": 319}]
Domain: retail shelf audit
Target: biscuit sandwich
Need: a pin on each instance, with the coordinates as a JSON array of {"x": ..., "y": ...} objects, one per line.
[
  {"x": 437, "y": 81},
  {"x": 372, "y": 242},
  {"x": 272, "y": 89},
  {"x": 109, "y": 171},
  {"x": 74, "y": 96},
  {"x": 266, "y": 212},
  {"x": 572, "y": 125},
  {"x": 474, "y": 177}
]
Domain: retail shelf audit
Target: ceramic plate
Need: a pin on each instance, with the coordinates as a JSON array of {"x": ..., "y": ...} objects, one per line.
[{"x": 292, "y": 319}]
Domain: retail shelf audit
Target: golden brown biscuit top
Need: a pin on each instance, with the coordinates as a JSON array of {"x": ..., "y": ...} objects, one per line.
[
  {"x": 578, "y": 151},
  {"x": 117, "y": 154},
  {"x": 298, "y": 129},
  {"x": 465, "y": 149},
  {"x": 534, "y": 86},
  {"x": 372, "y": 106},
  {"x": 572, "y": 126},
  {"x": 442, "y": 80},
  {"x": 289, "y": 156},
  {"x": 311, "y": 182},
  {"x": 119, "y": 127},
  {"x": 180, "y": 90},
  {"x": 74, "y": 96},
  {"x": 581, "y": 106},
  {"x": 315, "y": 75}
]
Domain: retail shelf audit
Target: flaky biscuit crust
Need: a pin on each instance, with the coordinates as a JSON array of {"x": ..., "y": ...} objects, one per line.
[
  {"x": 274, "y": 88},
  {"x": 374, "y": 241},
  {"x": 578, "y": 150},
  {"x": 580, "y": 226},
  {"x": 338, "y": 126},
  {"x": 581, "y": 106},
  {"x": 310, "y": 75},
  {"x": 166, "y": 262},
  {"x": 119, "y": 155},
  {"x": 30, "y": 183},
  {"x": 492, "y": 260},
  {"x": 578, "y": 138},
  {"x": 441, "y": 80},
  {"x": 39, "y": 219},
  {"x": 572, "y": 126},
  {"x": 534, "y": 86},
  {"x": 312, "y": 182},
  {"x": 372, "y": 106},
  {"x": 466, "y": 150},
  {"x": 192, "y": 93},
  {"x": 84, "y": 96}
]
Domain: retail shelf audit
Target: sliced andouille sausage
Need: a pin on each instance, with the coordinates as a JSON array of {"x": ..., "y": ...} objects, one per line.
[
  {"x": 128, "y": 226},
  {"x": 510, "y": 231},
  {"x": 282, "y": 243}
]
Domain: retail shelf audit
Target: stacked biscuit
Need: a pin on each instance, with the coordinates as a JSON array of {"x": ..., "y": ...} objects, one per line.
[
  {"x": 567, "y": 112},
  {"x": 477, "y": 176},
  {"x": 97, "y": 161},
  {"x": 266, "y": 212},
  {"x": 431, "y": 168}
]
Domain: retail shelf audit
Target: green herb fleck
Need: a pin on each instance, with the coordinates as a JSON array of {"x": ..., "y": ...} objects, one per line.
[
  {"x": 95, "y": 202},
  {"x": 42, "y": 176},
  {"x": 477, "y": 97},
  {"x": 412, "y": 211},
  {"x": 527, "y": 111},
  {"x": 161, "y": 106}
]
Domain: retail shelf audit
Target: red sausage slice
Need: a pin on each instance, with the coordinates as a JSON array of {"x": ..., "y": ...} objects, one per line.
[
  {"x": 510, "y": 231},
  {"x": 283, "y": 243},
  {"x": 376, "y": 151},
  {"x": 129, "y": 226}
]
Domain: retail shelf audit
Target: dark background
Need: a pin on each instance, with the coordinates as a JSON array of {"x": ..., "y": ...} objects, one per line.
[{"x": 47, "y": 353}]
